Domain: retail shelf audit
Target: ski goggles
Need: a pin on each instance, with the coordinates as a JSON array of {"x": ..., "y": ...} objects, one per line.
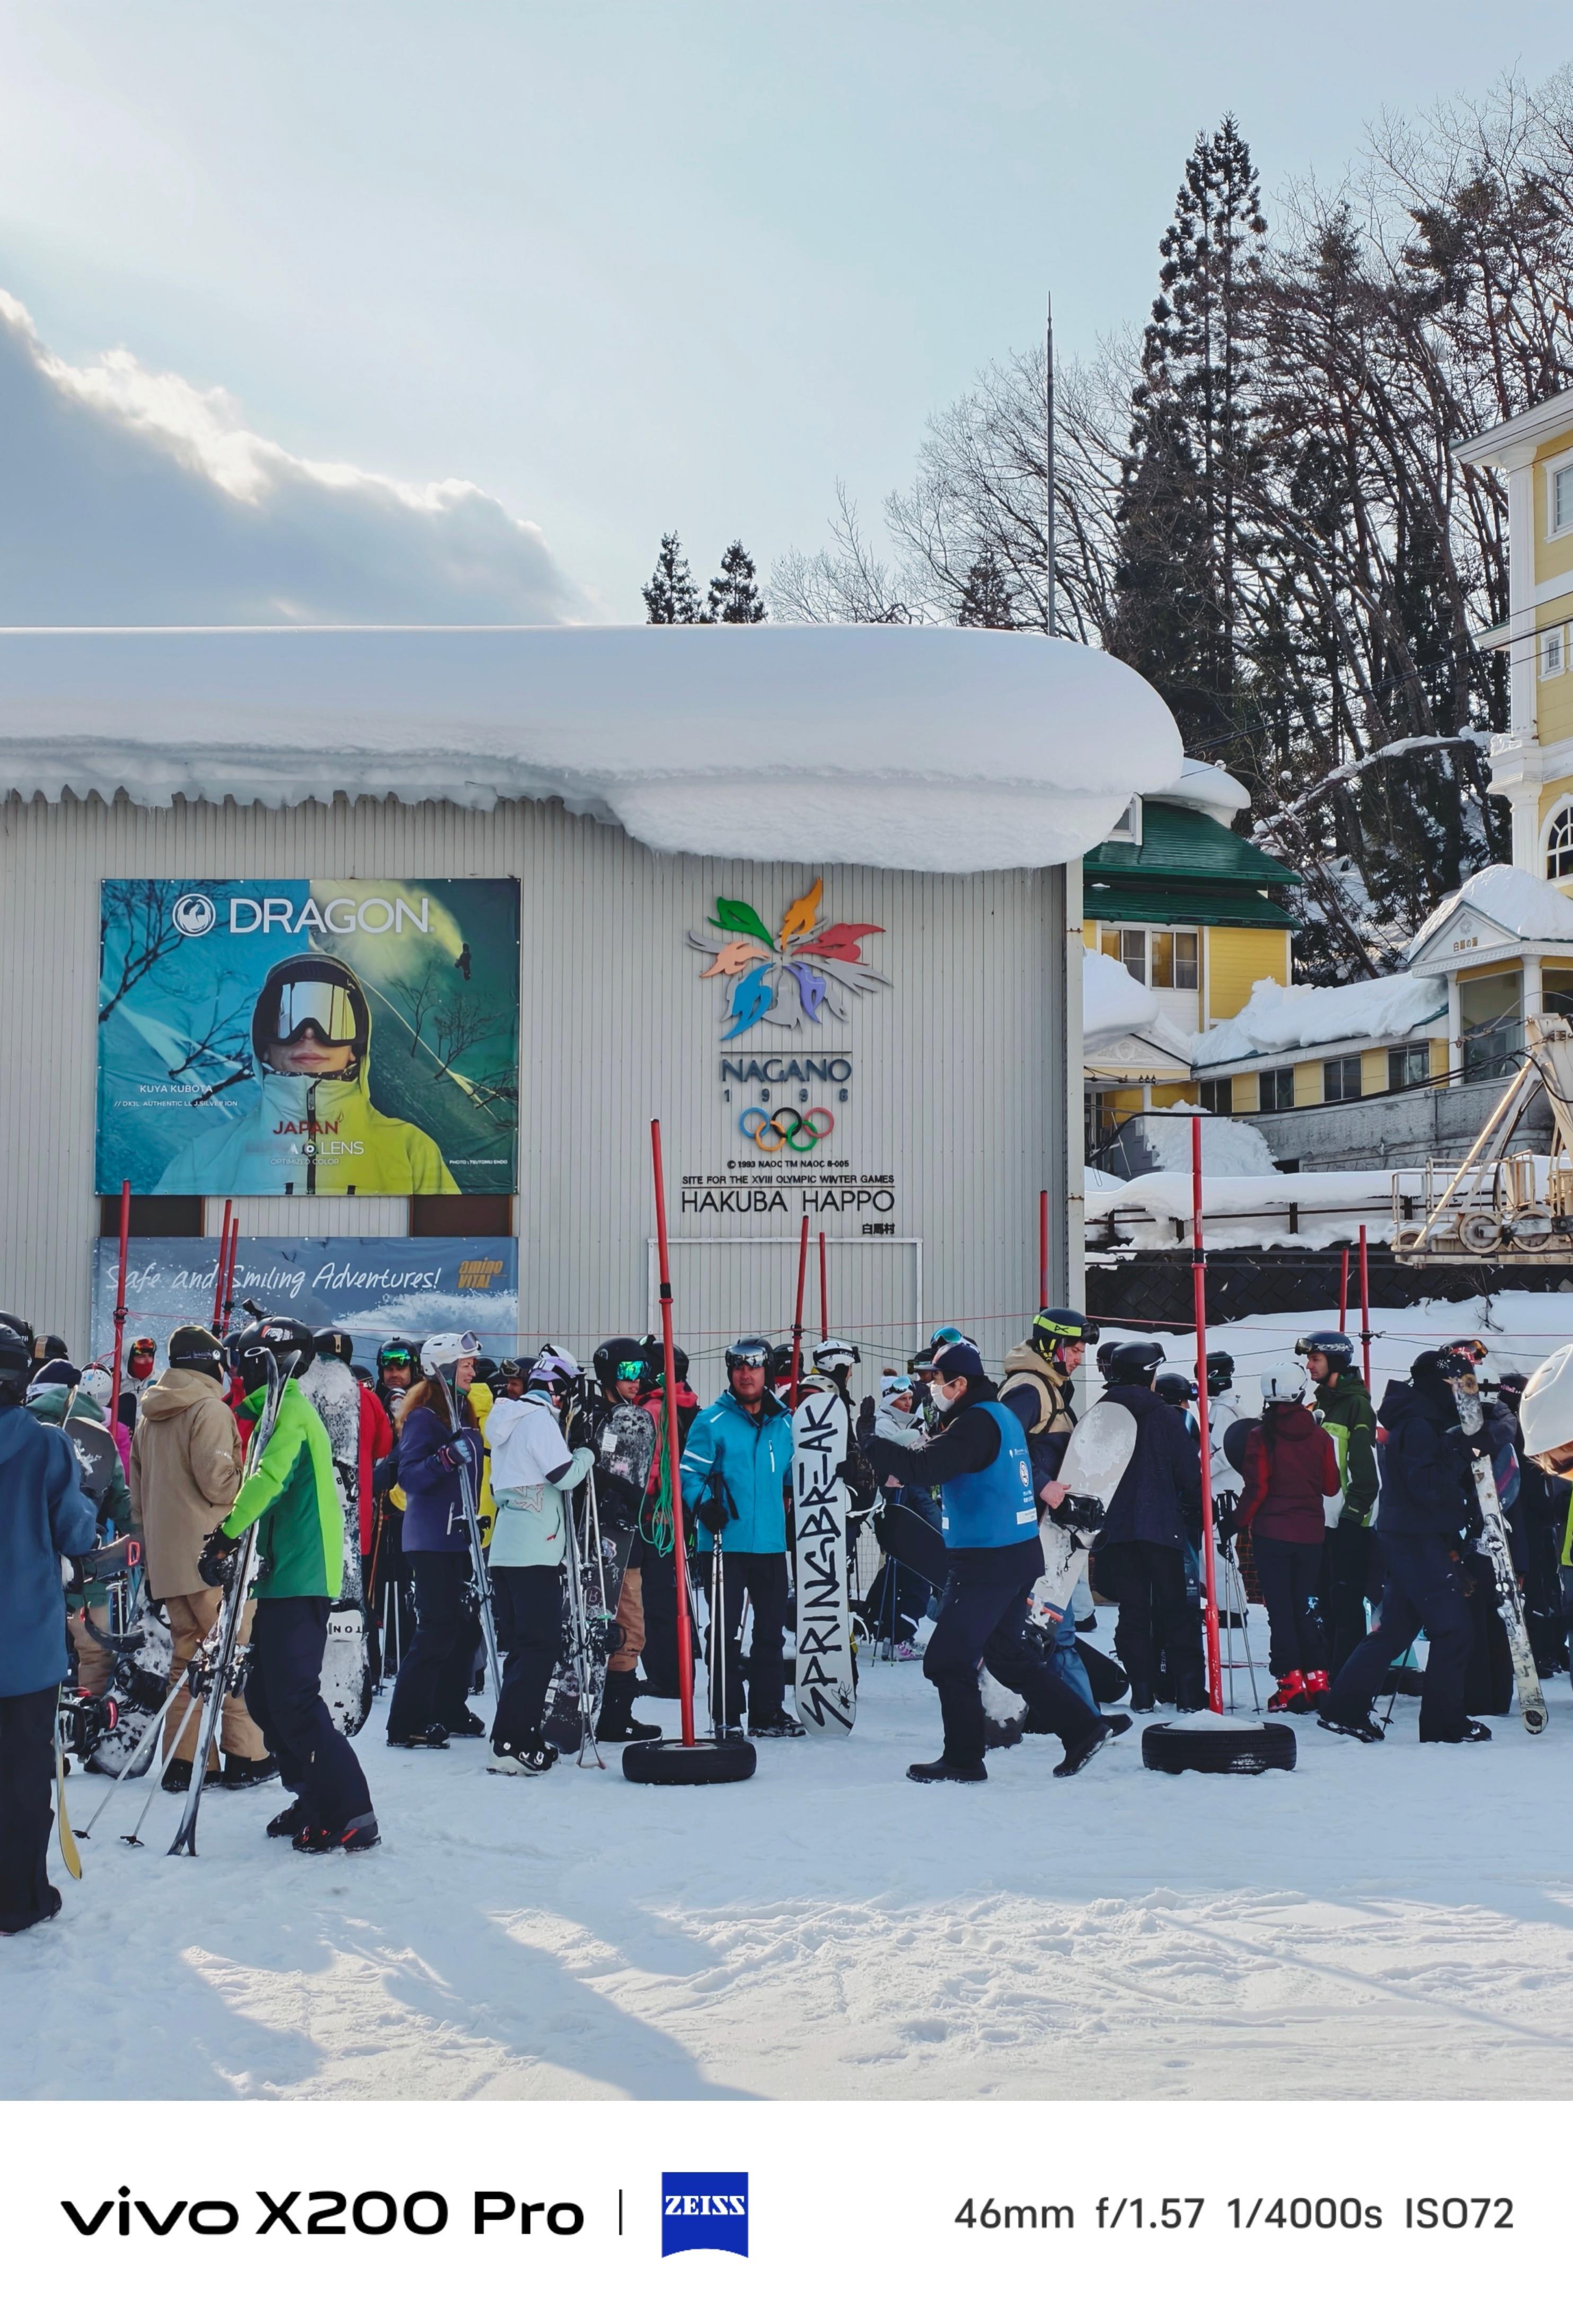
[
  {"x": 405, "y": 1356},
  {"x": 327, "y": 1009},
  {"x": 630, "y": 1368}
]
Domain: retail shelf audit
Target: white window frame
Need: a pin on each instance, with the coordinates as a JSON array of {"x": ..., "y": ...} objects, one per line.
[
  {"x": 1562, "y": 812},
  {"x": 1554, "y": 651},
  {"x": 1147, "y": 930},
  {"x": 1555, "y": 531},
  {"x": 1128, "y": 831}
]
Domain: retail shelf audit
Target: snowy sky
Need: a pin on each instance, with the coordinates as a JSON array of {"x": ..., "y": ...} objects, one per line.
[{"x": 617, "y": 264}]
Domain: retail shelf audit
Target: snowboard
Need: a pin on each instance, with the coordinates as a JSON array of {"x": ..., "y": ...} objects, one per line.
[
  {"x": 334, "y": 1395},
  {"x": 1101, "y": 1444},
  {"x": 823, "y": 1683},
  {"x": 1498, "y": 1544},
  {"x": 138, "y": 1689}
]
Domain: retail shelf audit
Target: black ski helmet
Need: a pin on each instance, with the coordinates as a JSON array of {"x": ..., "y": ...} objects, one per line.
[
  {"x": 289, "y": 1343},
  {"x": 1220, "y": 1371},
  {"x": 1134, "y": 1363},
  {"x": 780, "y": 1363},
  {"x": 1054, "y": 1328},
  {"x": 749, "y": 1348},
  {"x": 1175, "y": 1387},
  {"x": 653, "y": 1348},
  {"x": 15, "y": 1362},
  {"x": 312, "y": 988},
  {"x": 1336, "y": 1346},
  {"x": 399, "y": 1351},
  {"x": 1106, "y": 1355},
  {"x": 603, "y": 1363},
  {"x": 334, "y": 1345}
]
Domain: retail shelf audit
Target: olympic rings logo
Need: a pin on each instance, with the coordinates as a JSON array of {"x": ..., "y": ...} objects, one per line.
[{"x": 799, "y": 1132}]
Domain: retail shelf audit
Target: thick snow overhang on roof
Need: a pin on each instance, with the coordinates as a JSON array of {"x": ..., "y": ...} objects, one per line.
[
  {"x": 916, "y": 748},
  {"x": 1494, "y": 914},
  {"x": 1297, "y": 1016},
  {"x": 1211, "y": 791}
]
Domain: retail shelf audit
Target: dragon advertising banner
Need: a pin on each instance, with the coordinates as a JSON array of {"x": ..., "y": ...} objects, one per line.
[{"x": 308, "y": 1037}]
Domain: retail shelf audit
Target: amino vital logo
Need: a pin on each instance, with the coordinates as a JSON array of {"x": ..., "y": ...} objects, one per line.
[{"x": 704, "y": 2210}]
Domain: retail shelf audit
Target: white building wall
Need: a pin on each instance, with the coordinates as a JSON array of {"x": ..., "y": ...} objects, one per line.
[{"x": 959, "y": 1087}]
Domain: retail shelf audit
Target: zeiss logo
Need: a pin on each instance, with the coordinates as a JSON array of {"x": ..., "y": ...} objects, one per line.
[{"x": 704, "y": 2210}]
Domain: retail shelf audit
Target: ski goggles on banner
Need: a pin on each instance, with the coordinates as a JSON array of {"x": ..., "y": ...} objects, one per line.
[
  {"x": 329, "y": 1009},
  {"x": 630, "y": 1368}
]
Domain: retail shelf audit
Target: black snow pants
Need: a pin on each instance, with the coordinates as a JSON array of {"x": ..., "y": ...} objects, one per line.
[
  {"x": 1349, "y": 1577},
  {"x": 27, "y": 1766},
  {"x": 529, "y": 1603},
  {"x": 1289, "y": 1572},
  {"x": 1147, "y": 1578},
  {"x": 982, "y": 1618},
  {"x": 1423, "y": 1592},
  {"x": 434, "y": 1677},
  {"x": 763, "y": 1580},
  {"x": 284, "y": 1696},
  {"x": 659, "y": 1654}
]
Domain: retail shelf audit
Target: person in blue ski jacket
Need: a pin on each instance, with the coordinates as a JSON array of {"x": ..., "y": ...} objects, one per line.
[
  {"x": 981, "y": 1463},
  {"x": 47, "y": 1518},
  {"x": 735, "y": 1474}
]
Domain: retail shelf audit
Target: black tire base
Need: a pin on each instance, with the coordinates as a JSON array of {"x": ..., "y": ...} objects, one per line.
[
  {"x": 1218, "y": 1751},
  {"x": 702, "y": 1761}
]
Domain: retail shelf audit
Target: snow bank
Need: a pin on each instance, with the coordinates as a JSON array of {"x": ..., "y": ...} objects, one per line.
[
  {"x": 1112, "y": 1000},
  {"x": 1231, "y": 1149},
  {"x": 1520, "y": 904},
  {"x": 922, "y": 749},
  {"x": 1152, "y": 1212},
  {"x": 1308, "y": 1016}
]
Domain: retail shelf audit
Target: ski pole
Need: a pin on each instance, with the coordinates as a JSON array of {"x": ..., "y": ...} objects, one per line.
[
  {"x": 223, "y": 1261},
  {"x": 149, "y": 1734},
  {"x": 132, "y": 1837}
]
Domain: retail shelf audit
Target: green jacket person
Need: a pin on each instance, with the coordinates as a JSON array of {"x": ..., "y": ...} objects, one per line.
[{"x": 291, "y": 1498}]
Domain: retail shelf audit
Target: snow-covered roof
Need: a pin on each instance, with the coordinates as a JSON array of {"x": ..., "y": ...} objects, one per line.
[
  {"x": 1518, "y": 902},
  {"x": 919, "y": 749},
  {"x": 1241, "y": 1212},
  {"x": 1213, "y": 791},
  {"x": 1280, "y": 1016}
]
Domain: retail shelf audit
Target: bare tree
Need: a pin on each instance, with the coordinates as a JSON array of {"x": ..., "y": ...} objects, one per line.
[
  {"x": 150, "y": 936},
  {"x": 846, "y": 582}
]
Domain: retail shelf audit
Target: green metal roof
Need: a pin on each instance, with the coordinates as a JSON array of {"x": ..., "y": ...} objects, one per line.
[
  {"x": 1180, "y": 845},
  {"x": 1178, "y": 902}
]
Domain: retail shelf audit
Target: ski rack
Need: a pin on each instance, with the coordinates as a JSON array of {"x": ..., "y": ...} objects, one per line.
[{"x": 1491, "y": 1205}]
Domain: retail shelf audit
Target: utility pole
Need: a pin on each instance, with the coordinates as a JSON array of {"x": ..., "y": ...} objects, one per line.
[{"x": 1049, "y": 454}]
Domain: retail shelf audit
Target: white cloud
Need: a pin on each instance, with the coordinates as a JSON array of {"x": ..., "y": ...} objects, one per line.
[{"x": 133, "y": 496}]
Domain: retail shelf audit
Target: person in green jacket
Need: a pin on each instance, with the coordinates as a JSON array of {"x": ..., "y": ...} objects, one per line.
[
  {"x": 1349, "y": 1573},
  {"x": 292, "y": 1498}
]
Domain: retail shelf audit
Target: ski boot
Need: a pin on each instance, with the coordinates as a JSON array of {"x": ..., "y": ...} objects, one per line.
[
  {"x": 1473, "y": 1731},
  {"x": 240, "y": 1775},
  {"x": 177, "y": 1776},
  {"x": 1078, "y": 1755},
  {"x": 1291, "y": 1692},
  {"x": 617, "y": 1723},
  {"x": 288, "y": 1822},
  {"x": 777, "y": 1730},
  {"x": 1317, "y": 1682},
  {"x": 434, "y": 1737},
  {"x": 945, "y": 1770},
  {"x": 532, "y": 1755},
  {"x": 321, "y": 1840},
  {"x": 465, "y": 1727},
  {"x": 1358, "y": 1723}
]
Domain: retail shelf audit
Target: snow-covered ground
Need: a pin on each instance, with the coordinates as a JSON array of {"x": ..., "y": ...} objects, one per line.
[{"x": 1391, "y": 1922}]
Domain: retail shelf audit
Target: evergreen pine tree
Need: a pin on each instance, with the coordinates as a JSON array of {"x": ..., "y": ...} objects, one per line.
[
  {"x": 669, "y": 593},
  {"x": 1178, "y": 583},
  {"x": 986, "y": 602},
  {"x": 734, "y": 596}
]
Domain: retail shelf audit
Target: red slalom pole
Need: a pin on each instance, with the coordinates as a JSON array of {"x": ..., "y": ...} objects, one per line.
[
  {"x": 120, "y": 1299},
  {"x": 223, "y": 1263},
  {"x": 670, "y": 1398},
  {"x": 1344, "y": 1293},
  {"x": 824, "y": 1292},
  {"x": 229, "y": 1273},
  {"x": 797, "y": 1313},
  {"x": 1365, "y": 1313},
  {"x": 1043, "y": 1250},
  {"x": 1210, "y": 1558}
]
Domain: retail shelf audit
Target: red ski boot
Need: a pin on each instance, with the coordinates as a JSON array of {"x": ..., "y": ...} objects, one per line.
[
  {"x": 1317, "y": 1684},
  {"x": 1291, "y": 1693}
]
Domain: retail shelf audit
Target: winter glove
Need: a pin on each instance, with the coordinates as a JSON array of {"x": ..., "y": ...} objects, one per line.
[
  {"x": 458, "y": 1453},
  {"x": 216, "y": 1561}
]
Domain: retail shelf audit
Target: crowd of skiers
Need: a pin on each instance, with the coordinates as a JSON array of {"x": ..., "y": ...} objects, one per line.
[{"x": 381, "y": 1487}]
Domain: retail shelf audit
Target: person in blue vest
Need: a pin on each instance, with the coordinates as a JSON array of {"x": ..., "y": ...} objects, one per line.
[
  {"x": 981, "y": 1463},
  {"x": 735, "y": 1473},
  {"x": 47, "y": 1518}
]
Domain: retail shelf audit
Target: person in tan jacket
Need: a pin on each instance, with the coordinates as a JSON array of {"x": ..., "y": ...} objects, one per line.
[{"x": 186, "y": 1470}]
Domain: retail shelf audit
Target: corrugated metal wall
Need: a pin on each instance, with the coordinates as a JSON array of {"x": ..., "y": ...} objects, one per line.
[{"x": 958, "y": 1086}]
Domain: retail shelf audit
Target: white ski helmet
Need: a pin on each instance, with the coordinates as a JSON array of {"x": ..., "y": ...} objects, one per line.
[
  {"x": 445, "y": 1349},
  {"x": 1287, "y": 1383},
  {"x": 1545, "y": 1411}
]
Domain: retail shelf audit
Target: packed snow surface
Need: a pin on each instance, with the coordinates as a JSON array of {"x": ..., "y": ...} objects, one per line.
[
  {"x": 1520, "y": 902},
  {"x": 1229, "y": 1149},
  {"x": 919, "y": 749},
  {"x": 1280, "y": 1016},
  {"x": 1384, "y": 1921}
]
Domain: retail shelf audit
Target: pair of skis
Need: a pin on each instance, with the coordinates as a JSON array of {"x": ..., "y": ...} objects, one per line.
[{"x": 1497, "y": 1544}]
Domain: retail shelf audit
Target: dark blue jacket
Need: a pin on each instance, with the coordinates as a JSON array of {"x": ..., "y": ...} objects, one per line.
[
  {"x": 46, "y": 1518},
  {"x": 434, "y": 1513},
  {"x": 1159, "y": 1497},
  {"x": 1424, "y": 1465}
]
